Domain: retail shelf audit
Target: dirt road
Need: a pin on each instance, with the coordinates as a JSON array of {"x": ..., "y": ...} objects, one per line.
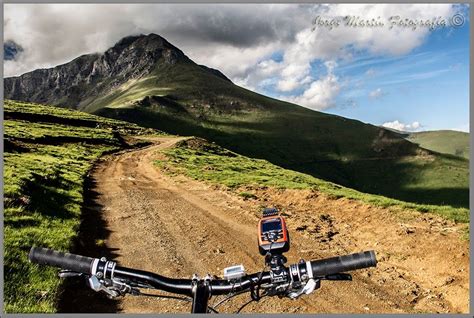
[{"x": 176, "y": 227}]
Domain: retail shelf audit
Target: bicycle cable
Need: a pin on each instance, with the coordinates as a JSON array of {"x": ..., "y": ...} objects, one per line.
[
  {"x": 228, "y": 298},
  {"x": 247, "y": 303},
  {"x": 255, "y": 294}
]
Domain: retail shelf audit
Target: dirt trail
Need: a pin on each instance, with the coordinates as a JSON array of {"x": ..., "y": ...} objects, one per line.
[{"x": 176, "y": 227}]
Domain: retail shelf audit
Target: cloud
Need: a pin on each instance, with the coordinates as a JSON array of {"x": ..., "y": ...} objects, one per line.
[
  {"x": 321, "y": 93},
  {"x": 415, "y": 126},
  {"x": 294, "y": 71},
  {"x": 376, "y": 94},
  {"x": 320, "y": 43},
  {"x": 232, "y": 37},
  {"x": 416, "y": 77},
  {"x": 238, "y": 39},
  {"x": 463, "y": 128}
]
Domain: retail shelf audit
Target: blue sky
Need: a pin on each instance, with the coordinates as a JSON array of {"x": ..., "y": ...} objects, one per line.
[
  {"x": 428, "y": 86},
  {"x": 410, "y": 79}
]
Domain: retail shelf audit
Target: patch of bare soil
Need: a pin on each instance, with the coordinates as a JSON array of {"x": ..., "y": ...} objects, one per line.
[
  {"x": 176, "y": 226},
  {"x": 423, "y": 263}
]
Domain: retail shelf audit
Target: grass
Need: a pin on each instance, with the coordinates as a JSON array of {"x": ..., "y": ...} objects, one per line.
[
  {"x": 211, "y": 163},
  {"x": 443, "y": 141},
  {"x": 33, "y": 108},
  {"x": 32, "y": 130},
  {"x": 43, "y": 197},
  {"x": 43, "y": 194},
  {"x": 247, "y": 195}
]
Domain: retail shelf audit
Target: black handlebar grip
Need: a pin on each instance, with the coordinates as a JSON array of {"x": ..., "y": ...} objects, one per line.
[
  {"x": 72, "y": 262},
  {"x": 344, "y": 263}
]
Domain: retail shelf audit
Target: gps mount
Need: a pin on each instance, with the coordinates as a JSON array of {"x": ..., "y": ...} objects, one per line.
[{"x": 273, "y": 241}]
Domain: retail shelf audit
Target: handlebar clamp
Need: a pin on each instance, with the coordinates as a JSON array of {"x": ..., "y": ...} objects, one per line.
[
  {"x": 103, "y": 268},
  {"x": 102, "y": 279}
]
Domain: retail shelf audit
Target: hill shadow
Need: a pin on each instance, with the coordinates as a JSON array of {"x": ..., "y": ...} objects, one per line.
[{"x": 75, "y": 296}]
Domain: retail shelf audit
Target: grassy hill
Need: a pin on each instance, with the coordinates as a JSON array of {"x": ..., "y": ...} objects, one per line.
[
  {"x": 443, "y": 141},
  {"x": 154, "y": 84},
  {"x": 337, "y": 149},
  {"x": 47, "y": 153},
  {"x": 201, "y": 160}
]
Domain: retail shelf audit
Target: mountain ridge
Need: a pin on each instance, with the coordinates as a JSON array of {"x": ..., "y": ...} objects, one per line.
[{"x": 130, "y": 58}]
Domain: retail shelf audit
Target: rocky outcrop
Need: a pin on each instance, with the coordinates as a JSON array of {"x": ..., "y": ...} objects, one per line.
[{"x": 78, "y": 82}]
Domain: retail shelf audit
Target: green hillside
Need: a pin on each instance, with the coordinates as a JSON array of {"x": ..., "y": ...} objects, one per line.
[
  {"x": 443, "y": 141},
  {"x": 47, "y": 153},
  {"x": 201, "y": 160},
  {"x": 337, "y": 149}
]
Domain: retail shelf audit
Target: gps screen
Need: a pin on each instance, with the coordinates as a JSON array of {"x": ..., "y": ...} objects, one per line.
[{"x": 271, "y": 226}]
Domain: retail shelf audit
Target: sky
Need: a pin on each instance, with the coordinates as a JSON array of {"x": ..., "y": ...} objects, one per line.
[{"x": 403, "y": 66}]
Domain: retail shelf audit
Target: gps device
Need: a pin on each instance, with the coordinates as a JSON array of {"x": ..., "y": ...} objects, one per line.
[{"x": 273, "y": 235}]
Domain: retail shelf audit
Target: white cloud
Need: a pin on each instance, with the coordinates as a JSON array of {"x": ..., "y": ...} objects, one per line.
[
  {"x": 238, "y": 39},
  {"x": 376, "y": 94},
  {"x": 321, "y": 93},
  {"x": 233, "y": 62},
  {"x": 293, "y": 72},
  {"x": 321, "y": 43},
  {"x": 415, "y": 126},
  {"x": 231, "y": 37},
  {"x": 463, "y": 128}
]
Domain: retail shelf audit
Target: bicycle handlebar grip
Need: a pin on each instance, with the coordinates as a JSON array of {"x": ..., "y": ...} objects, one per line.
[
  {"x": 72, "y": 262},
  {"x": 344, "y": 263}
]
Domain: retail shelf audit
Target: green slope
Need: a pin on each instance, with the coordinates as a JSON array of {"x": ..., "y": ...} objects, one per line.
[
  {"x": 344, "y": 151},
  {"x": 47, "y": 153},
  {"x": 443, "y": 141},
  {"x": 209, "y": 162}
]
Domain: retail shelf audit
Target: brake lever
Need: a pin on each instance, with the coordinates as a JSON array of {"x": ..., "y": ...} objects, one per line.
[
  {"x": 112, "y": 288},
  {"x": 308, "y": 288},
  {"x": 338, "y": 276}
]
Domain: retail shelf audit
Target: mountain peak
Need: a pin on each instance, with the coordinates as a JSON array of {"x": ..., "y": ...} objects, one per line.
[
  {"x": 144, "y": 47},
  {"x": 150, "y": 39},
  {"x": 89, "y": 77}
]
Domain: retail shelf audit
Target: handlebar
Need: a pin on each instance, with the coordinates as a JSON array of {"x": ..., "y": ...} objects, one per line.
[
  {"x": 184, "y": 286},
  {"x": 343, "y": 263},
  {"x": 94, "y": 266},
  {"x": 72, "y": 262}
]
